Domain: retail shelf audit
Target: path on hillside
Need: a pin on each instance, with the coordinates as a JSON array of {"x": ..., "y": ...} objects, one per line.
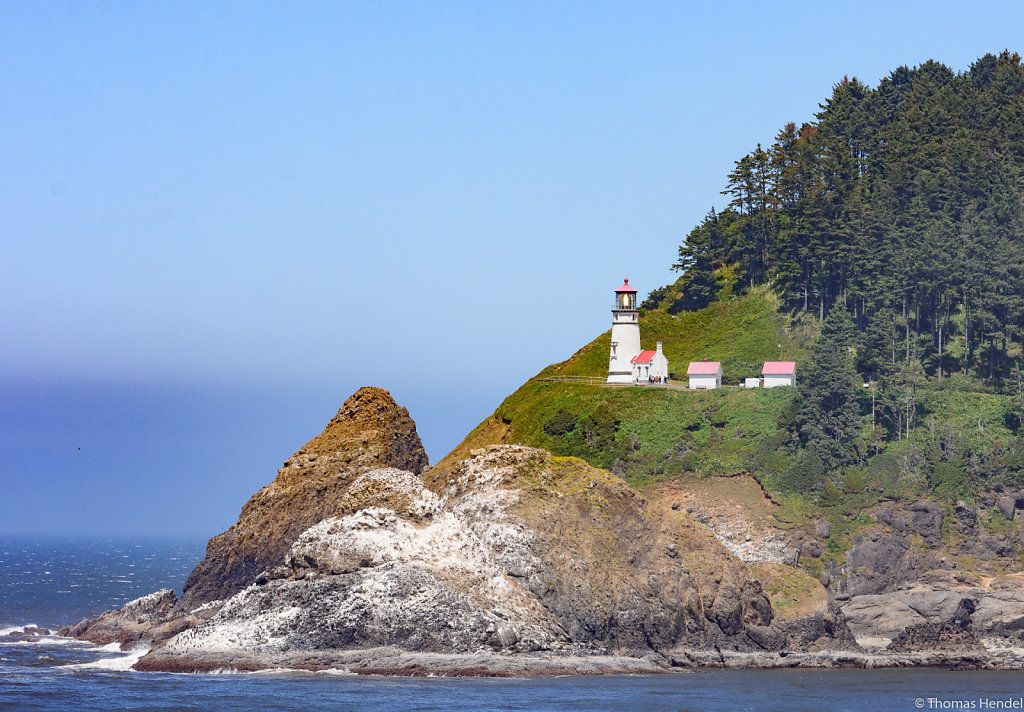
[{"x": 597, "y": 381}]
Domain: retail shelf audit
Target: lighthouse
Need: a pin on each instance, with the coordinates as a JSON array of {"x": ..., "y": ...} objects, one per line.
[{"x": 625, "y": 335}]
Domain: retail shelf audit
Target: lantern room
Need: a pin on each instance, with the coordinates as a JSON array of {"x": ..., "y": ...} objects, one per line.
[{"x": 625, "y": 297}]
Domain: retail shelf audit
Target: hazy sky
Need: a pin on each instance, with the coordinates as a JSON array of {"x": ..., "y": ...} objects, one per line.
[{"x": 217, "y": 220}]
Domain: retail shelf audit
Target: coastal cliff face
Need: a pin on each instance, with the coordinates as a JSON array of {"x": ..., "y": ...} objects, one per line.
[
  {"x": 370, "y": 431},
  {"x": 515, "y": 561},
  {"x": 512, "y": 552}
]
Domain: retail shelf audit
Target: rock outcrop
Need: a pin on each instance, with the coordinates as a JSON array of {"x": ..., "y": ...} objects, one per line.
[
  {"x": 370, "y": 431},
  {"x": 511, "y": 553},
  {"x": 514, "y": 561},
  {"x": 146, "y": 620}
]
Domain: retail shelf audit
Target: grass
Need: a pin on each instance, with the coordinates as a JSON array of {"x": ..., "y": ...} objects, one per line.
[
  {"x": 649, "y": 435},
  {"x": 793, "y": 592},
  {"x": 742, "y": 332}
]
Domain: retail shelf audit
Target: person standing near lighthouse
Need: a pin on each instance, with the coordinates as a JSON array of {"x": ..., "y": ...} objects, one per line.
[{"x": 625, "y": 335}]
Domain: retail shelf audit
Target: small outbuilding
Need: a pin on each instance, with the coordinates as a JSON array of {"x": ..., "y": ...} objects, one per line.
[
  {"x": 705, "y": 374},
  {"x": 779, "y": 373},
  {"x": 649, "y": 365}
]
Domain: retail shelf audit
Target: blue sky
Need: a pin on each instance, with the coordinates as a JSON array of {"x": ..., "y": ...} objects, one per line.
[{"x": 217, "y": 220}]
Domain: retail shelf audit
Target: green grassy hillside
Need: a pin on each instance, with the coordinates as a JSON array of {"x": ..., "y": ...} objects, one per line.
[
  {"x": 964, "y": 438},
  {"x": 740, "y": 331},
  {"x": 647, "y": 434}
]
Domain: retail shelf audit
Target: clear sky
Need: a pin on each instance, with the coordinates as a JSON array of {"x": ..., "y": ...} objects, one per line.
[{"x": 217, "y": 220}]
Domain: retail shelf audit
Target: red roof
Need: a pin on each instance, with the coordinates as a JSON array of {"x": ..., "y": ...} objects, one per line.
[
  {"x": 643, "y": 357},
  {"x": 779, "y": 368},
  {"x": 625, "y": 288},
  {"x": 704, "y": 368}
]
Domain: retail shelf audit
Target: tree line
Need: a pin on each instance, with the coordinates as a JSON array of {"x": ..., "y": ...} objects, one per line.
[{"x": 904, "y": 204}]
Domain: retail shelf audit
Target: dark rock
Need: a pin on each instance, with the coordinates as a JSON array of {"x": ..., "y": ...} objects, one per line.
[
  {"x": 150, "y": 618},
  {"x": 822, "y": 529},
  {"x": 810, "y": 549},
  {"x": 895, "y": 518},
  {"x": 966, "y": 515},
  {"x": 929, "y": 637},
  {"x": 964, "y": 610},
  {"x": 28, "y": 634},
  {"x": 1007, "y": 505},
  {"x": 767, "y": 637},
  {"x": 877, "y": 566},
  {"x": 926, "y": 520}
]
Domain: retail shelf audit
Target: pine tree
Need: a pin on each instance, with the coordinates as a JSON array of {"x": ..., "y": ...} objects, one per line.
[{"x": 828, "y": 394}]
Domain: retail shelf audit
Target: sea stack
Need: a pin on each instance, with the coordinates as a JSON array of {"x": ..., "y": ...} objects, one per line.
[{"x": 370, "y": 431}]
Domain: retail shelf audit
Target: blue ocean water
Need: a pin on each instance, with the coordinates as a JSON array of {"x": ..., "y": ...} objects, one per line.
[{"x": 50, "y": 582}]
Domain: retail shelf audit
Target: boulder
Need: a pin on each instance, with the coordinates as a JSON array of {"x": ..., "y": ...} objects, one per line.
[
  {"x": 1007, "y": 505},
  {"x": 146, "y": 619},
  {"x": 810, "y": 549},
  {"x": 926, "y": 520},
  {"x": 875, "y": 566}
]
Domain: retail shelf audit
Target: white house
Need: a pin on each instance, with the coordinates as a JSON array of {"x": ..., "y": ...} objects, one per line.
[
  {"x": 625, "y": 344},
  {"x": 650, "y": 364},
  {"x": 705, "y": 374},
  {"x": 779, "y": 373}
]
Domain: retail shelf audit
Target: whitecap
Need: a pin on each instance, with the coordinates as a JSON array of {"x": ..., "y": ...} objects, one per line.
[
  {"x": 17, "y": 629},
  {"x": 278, "y": 671},
  {"x": 121, "y": 663},
  {"x": 339, "y": 671}
]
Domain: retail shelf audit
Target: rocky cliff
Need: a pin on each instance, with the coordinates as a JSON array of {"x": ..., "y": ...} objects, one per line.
[
  {"x": 510, "y": 553},
  {"x": 370, "y": 431},
  {"x": 514, "y": 561}
]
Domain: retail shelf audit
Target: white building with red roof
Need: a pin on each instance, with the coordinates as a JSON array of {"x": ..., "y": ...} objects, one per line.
[
  {"x": 779, "y": 373},
  {"x": 648, "y": 365},
  {"x": 705, "y": 374}
]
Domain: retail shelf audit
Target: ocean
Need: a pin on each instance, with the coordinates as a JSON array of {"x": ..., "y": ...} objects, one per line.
[{"x": 54, "y": 582}]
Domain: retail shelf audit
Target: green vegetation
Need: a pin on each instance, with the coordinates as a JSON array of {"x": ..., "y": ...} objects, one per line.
[
  {"x": 644, "y": 434},
  {"x": 903, "y": 204},
  {"x": 879, "y": 246},
  {"x": 740, "y": 331},
  {"x": 963, "y": 440},
  {"x": 826, "y": 422}
]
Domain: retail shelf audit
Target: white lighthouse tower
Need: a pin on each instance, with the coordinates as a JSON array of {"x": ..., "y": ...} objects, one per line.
[{"x": 625, "y": 335}]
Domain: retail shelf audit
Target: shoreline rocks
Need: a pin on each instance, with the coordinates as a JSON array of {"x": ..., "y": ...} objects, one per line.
[{"x": 517, "y": 562}]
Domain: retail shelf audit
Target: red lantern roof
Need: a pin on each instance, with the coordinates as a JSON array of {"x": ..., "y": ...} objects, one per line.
[{"x": 625, "y": 288}]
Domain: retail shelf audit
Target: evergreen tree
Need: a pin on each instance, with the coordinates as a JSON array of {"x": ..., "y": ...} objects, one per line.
[
  {"x": 904, "y": 204},
  {"x": 700, "y": 288},
  {"x": 806, "y": 473},
  {"x": 828, "y": 393}
]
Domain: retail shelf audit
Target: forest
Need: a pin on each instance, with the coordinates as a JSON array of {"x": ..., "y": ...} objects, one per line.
[
  {"x": 894, "y": 220},
  {"x": 903, "y": 203}
]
